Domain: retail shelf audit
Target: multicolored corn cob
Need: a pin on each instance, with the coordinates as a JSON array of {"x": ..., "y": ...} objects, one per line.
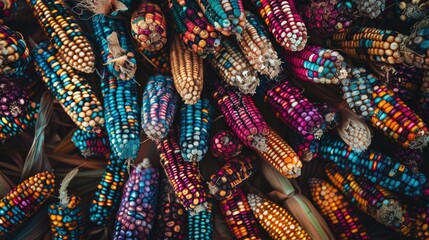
[
  {"x": 194, "y": 28},
  {"x": 416, "y": 49},
  {"x": 13, "y": 99},
  {"x": 396, "y": 119},
  {"x": 281, "y": 156},
  {"x": 200, "y": 225},
  {"x": 91, "y": 145},
  {"x": 117, "y": 50},
  {"x": 232, "y": 176},
  {"x": 7, "y": 7},
  {"x": 67, "y": 221},
  {"x": 72, "y": 91},
  {"x": 108, "y": 195},
  {"x": 11, "y": 126},
  {"x": 225, "y": 145},
  {"x": 188, "y": 72},
  {"x": 24, "y": 200},
  {"x": 64, "y": 33},
  {"x": 373, "y": 165},
  {"x": 279, "y": 223},
  {"x": 295, "y": 110},
  {"x": 306, "y": 149},
  {"x": 137, "y": 210},
  {"x": 371, "y": 9},
  {"x": 329, "y": 113},
  {"x": 160, "y": 60},
  {"x": 148, "y": 26},
  {"x": 369, "y": 44},
  {"x": 184, "y": 176},
  {"x": 14, "y": 53},
  {"x": 412, "y": 158},
  {"x": 337, "y": 210},
  {"x": 239, "y": 217},
  {"x": 194, "y": 129},
  {"x": 421, "y": 224},
  {"x": 242, "y": 116},
  {"x": 316, "y": 64},
  {"x": 423, "y": 106},
  {"x": 284, "y": 23},
  {"x": 159, "y": 107},
  {"x": 233, "y": 68},
  {"x": 412, "y": 10},
  {"x": 324, "y": 18},
  {"x": 257, "y": 47}
]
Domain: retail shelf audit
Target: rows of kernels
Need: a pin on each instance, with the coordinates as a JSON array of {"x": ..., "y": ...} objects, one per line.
[
  {"x": 91, "y": 145},
  {"x": 200, "y": 225},
  {"x": 11, "y": 126},
  {"x": 225, "y": 145},
  {"x": 159, "y": 61},
  {"x": 13, "y": 100},
  {"x": 306, "y": 149},
  {"x": 67, "y": 222},
  {"x": 14, "y": 53},
  {"x": 416, "y": 50},
  {"x": 371, "y": 9}
]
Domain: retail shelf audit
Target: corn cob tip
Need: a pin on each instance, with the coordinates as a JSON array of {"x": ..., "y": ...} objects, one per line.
[
  {"x": 420, "y": 141},
  {"x": 199, "y": 208},
  {"x": 294, "y": 171},
  {"x": 122, "y": 60},
  {"x": 307, "y": 156},
  {"x": 145, "y": 164},
  {"x": 254, "y": 200},
  {"x": 390, "y": 213},
  {"x": 247, "y": 82},
  {"x": 104, "y": 7}
]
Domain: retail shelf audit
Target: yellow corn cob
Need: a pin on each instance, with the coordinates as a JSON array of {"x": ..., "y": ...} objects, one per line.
[{"x": 187, "y": 71}]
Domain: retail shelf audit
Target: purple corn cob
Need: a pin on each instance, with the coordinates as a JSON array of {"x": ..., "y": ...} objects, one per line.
[
  {"x": 225, "y": 145},
  {"x": 242, "y": 116},
  {"x": 13, "y": 99},
  {"x": 295, "y": 110}
]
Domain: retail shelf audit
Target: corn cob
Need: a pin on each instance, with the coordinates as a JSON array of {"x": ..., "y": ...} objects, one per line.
[
  {"x": 353, "y": 130},
  {"x": 423, "y": 106},
  {"x": 412, "y": 10},
  {"x": 187, "y": 71},
  {"x": 279, "y": 223},
  {"x": 159, "y": 59},
  {"x": 337, "y": 210},
  {"x": 416, "y": 49},
  {"x": 107, "y": 197},
  {"x": 374, "y": 166},
  {"x": 318, "y": 65},
  {"x": 193, "y": 27},
  {"x": 239, "y": 218},
  {"x": 227, "y": 17},
  {"x": 421, "y": 224},
  {"x": 225, "y": 145},
  {"x": 11, "y": 126},
  {"x": 284, "y": 23},
  {"x": 91, "y": 145},
  {"x": 371, "y": 9},
  {"x": 305, "y": 149},
  {"x": 105, "y": 7},
  {"x": 184, "y": 176},
  {"x": 148, "y": 27},
  {"x": 116, "y": 48},
  {"x": 159, "y": 107},
  {"x": 396, "y": 119},
  {"x": 232, "y": 176},
  {"x": 324, "y": 18},
  {"x": 329, "y": 114},
  {"x": 24, "y": 200},
  {"x": 200, "y": 225},
  {"x": 281, "y": 156},
  {"x": 234, "y": 69},
  {"x": 242, "y": 116},
  {"x": 64, "y": 33},
  {"x": 67, "y": 221},
  {"x": 171, "y": 215},
  {"x": 14, "y": 55},
  {"x": 369, "y": 44},
  {"x": 71, "y": 90},
  {"x": 257, "y": 47},
  {"x": 137, "y": 210},
  {"x": 7, "y": 7},
  {"x": 13, "y": 100}
]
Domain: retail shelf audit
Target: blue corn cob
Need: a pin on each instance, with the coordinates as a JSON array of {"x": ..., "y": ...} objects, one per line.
[
  {"x": 195, "y": 121},
  {"x": 91, "y": 145},
  {"x": 136, "y": 214},
  {"x": 11, "y": 126},
  {"x": 159, "y": 106},
  {"x": 67, "y": 221},
  {"x": 200, "y": 225},
  {"x": 116, "y": 47}
]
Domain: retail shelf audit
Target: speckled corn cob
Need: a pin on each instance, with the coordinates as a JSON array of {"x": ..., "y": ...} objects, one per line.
[
  {"x": 184, "y": 176},
  {"x": 371, "y": 9},
  {"x": 64, "y": 33},
  {"x": 416, "y": 50},
  {"x": 257, "y": 47},
  {"x": 306, "y": 149},
  {"x": 374, "y": 166},
  {"x": 71, "y": 90},
  {"x": 233, "y": 68},
  {"x": 337, "y": 210},
  {"x": 11, "y": 126},
  {"x": 91, "y": 145},
  {"x": 232, "y": 176},
  {"x": 159, "y": 107},
  {"x": 239, "y": 217},
  {"x": 160, "y": 60},
  {"x": 14, "y": 53},
  {"x": 295, "y": 110},
  {"x": 121, "y": 111},
  {"x": 284, "y": 23},
  {"x": 108, "y": 195},
  {"x": 67, "y": 221},
  {"x": 187, "y": 71},
  {"x": 148, "y": 26},
  {"x": 396, "y": 119},
  {"x": 7, "y": 7},
  {"x": 242, "y": 116},
  {"x": 281, "y": 156},
  {"x": 279, "y": 223},
  {"x": 412, "y": 10},
  {"x": 193, "y": 27},
  {"x": 200, "y": 225},
  {"x": 137, "y": 210},
  {"x": 225, "y": 145},
  {"x": 13, "y": 99},
  {"x": 24, "y": 200},
  {"x": 194, "y": 129},
  {"x": 369, "y": 44},
  {"x": 316, "y": 64},
  {"x": 116, "y": 48},
  {"x": 329, "y": 114}
]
